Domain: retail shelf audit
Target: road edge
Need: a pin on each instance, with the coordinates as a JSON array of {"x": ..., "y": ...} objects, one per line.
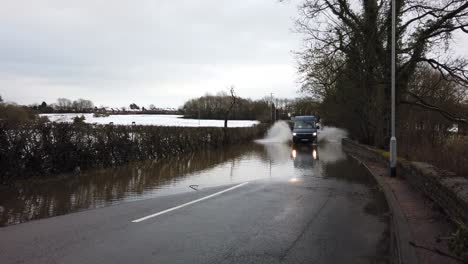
[{"x": 402, "y": 252}]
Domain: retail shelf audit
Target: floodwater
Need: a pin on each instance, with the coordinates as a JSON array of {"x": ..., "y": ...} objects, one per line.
[
  {"x": 146, "y": 119},
  {"x": 325, "y": 163}
]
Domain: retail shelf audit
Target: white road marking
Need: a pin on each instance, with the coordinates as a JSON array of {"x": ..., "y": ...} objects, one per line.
[{"x": 189, "y": 203}]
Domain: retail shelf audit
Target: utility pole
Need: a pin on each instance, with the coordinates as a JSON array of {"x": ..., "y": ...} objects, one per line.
[{"x": 393, "y": 140}]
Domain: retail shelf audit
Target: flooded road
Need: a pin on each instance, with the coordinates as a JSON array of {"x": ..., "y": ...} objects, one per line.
[
  {"x": 254, "y": 203},
  {"x": 37, "y": 199}
]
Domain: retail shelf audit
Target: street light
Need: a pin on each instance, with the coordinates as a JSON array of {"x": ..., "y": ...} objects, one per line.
[
  {"x": 393, "y": 140},
  {"x": 273, "y": 110}
]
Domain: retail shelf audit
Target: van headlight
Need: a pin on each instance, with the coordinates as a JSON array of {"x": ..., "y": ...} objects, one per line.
[
  {"x": 294, "y": 134},
  {"x": 315, "y": 134}
]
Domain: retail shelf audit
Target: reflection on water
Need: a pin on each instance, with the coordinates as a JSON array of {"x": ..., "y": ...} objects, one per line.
[
  {"x": 39, "y": 199},
  {"x": 304, "y": 156}
]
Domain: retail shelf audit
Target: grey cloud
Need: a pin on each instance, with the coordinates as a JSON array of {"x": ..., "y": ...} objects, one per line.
[{"x": 103, "y": 46}]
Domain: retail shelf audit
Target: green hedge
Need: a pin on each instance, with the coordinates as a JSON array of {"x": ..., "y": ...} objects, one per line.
[{"x": 37, "y": 149}]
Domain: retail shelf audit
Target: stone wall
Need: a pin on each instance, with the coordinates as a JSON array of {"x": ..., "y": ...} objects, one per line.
[{"x": 446, "y": 189}]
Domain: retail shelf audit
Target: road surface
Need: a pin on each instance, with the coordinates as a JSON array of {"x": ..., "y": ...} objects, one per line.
[{"x": 318, "y": 207}]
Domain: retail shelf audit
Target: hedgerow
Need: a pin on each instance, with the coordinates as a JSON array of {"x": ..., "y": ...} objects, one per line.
[{"x": 41, "y": 148}]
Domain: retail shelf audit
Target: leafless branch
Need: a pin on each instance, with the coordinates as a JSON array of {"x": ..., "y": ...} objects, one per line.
[{"x": 423, "y": 104}]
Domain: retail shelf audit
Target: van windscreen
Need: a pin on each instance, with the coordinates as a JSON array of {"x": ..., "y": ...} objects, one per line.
[{"x": 304, "y": 124}]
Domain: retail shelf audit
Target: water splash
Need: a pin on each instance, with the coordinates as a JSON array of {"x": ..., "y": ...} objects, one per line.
[
  {"x": 281, "y": 133},
  {"x": 332, "y": 134},
  {"x": 278, "y": 133}
]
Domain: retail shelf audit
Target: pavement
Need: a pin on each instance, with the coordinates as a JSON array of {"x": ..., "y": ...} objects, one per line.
[
  {"x": 421, "y": 229},
  {"x": 331, "y": 214},
  {"x": 429, "y": 226}
]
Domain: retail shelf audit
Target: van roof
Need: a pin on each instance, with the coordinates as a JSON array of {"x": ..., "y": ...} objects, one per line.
[{"x": 305, "y": 118}]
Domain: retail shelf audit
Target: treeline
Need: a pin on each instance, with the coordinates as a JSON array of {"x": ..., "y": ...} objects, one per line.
[
  {"x": 215, "y": 107},
  {"x": 348, "y": 68},
  {"x": 80, "y": 105},
  {"x": 64, "y": 105},
  {"x": 40, "y": 148}
]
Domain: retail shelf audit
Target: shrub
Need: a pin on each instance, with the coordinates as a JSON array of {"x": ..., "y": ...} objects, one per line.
[
  {"x": 447, "y": 151},
  {"x": 79, "y": 120},
  {"x": 14, "y": 115},
  {"x": 38, "y": 148}
]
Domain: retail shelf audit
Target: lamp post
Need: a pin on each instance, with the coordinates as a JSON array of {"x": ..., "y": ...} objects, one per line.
[
  {"x": 393, "y": 140},
  {"x": 273, "y": 111}
]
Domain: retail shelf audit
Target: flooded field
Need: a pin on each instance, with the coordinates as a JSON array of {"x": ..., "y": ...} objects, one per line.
[
  {"x": 155, "y": 120},
  {"x": 37, "y": 199}
]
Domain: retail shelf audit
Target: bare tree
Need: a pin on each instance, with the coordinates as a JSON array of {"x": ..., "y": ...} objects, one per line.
[
  {"x": 82, "y": 105},
  {"x": 344, "y": 36},
  {"x": 64, "y": 104},
  {"x": 230, "y": 105}
]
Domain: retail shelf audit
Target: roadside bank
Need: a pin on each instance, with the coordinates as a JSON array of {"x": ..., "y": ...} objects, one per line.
[{"x": 425, "y": 207}]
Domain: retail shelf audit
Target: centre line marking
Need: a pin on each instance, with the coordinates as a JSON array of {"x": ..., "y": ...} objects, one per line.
[{"x": 189, "y": 203}]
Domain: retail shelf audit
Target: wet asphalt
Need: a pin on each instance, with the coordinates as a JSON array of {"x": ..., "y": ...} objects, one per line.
[{"x": 297, "y": 207}]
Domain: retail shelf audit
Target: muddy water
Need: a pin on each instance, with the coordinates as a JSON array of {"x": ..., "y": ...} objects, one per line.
[{"x": 37, "y": 199}]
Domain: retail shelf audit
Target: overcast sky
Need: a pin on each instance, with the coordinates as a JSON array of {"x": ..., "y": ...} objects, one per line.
[{"x": 160, "y": 52}]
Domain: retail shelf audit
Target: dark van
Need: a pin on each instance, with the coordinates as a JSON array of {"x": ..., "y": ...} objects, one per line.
[{"x": 305, "y": 129}]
